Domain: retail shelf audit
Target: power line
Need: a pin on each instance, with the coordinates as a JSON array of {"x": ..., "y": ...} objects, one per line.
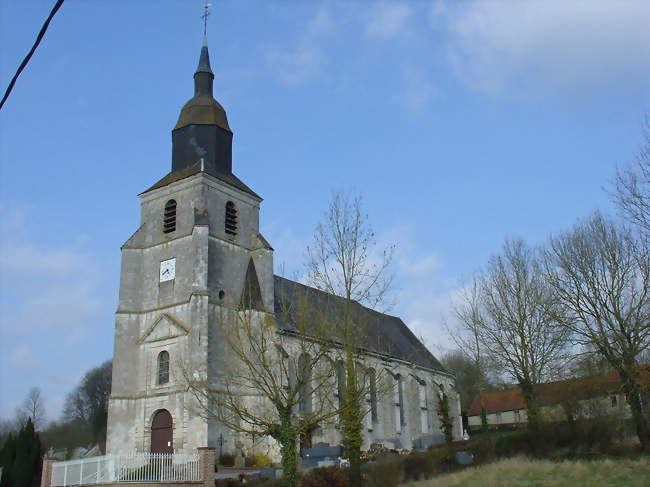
[{"x": 31, "y": 51}]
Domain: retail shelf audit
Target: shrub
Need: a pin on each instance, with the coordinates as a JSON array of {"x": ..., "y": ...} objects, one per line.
[
  {"x": 386, "y": 472},
  {"x": 264, "y": 483},
  {"x": 258, "y": 460},
  {"x": 325, "y": 477},
  {"x": 227, "y": 483},
  {"x": 227, "y": 460},
  {"x": 578, "y": 437}
]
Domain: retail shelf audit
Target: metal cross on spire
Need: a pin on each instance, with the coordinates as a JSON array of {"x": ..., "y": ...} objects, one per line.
[{"x": 205, "y": 16}]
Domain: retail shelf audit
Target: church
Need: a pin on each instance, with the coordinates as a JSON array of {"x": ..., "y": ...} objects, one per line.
[{"x": 197, "y": 251}]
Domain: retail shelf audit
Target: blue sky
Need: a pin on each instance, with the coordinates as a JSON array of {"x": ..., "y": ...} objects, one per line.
[{"x": 461, "y": 123}]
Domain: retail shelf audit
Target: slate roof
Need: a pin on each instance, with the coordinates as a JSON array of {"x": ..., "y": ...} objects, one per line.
[
  {"x": 557, "y": 392},
  {"x": 382, "y": 333},
  {"x": 195, "y": 168}
]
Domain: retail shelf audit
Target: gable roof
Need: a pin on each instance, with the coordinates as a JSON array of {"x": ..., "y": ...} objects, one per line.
[
  {"x": 382, "y": 333},
  {"x": 196, "y": 168},
  {"x": 174, "y": 328},
  {"x": 549, "y": 393}
]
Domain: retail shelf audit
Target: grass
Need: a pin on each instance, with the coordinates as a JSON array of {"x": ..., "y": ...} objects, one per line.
[{"x": 520, "y": 472}]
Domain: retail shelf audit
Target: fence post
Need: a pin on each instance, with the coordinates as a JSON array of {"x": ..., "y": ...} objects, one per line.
[
  {"x": 206, "y": 462},
  {"x": 46, "y": 473}
]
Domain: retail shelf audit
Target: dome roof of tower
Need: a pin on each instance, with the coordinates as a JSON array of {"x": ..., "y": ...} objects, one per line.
[{"x": 203, "y": 109}]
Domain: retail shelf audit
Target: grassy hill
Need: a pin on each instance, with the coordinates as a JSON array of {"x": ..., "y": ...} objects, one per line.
[{"x": 521, "y": 472}]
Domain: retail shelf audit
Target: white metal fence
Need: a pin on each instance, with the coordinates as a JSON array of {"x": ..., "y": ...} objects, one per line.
[{"x": 138, "y": 467}]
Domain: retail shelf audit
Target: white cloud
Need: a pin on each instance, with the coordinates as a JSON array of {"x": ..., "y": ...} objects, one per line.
[
  {"x": 417, "y": 90},
  {"x": 44, "y": 287},
  {"x": 501, "y": 45},
  {"x": 289, "y": 249},
  {"x": 295, "y": 65},
  {"x": 306, "y": 57},
  {"x": 387, "y": 19},
  {"x": 23, "y": 357},
  {"x": 424, "y": 292}
]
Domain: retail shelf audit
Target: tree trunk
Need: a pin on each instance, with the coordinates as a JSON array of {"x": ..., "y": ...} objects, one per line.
[
  {"x": 446, "y": 423},
  {"x": 532, "y": 408},
  {"x": 352, "y": 421},
  {"x": 288, "y": 452},
  {"x": 484, "y": 421},
  {"x": 289, "y": 464},
  {"x": 354, "y": 456},
  {"x": 633, "y": 396}
]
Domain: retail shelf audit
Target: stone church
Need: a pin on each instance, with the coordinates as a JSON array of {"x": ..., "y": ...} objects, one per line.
[{"x": 197, "y": 250}]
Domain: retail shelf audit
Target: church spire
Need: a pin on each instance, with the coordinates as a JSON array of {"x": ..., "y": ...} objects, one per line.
[
  {"x": 202, "y": 130},
  {"x": 204, "y": 59},
  {"x": 203, "y": 77}
]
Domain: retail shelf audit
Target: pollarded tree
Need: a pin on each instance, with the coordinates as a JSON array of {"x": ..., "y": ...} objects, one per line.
[
  {"x": 343, "y": 260},
  {"x": 601, "y": 272},
  {"x": 270, "y": 382},
  {"x": 513, "y": 320},
  {"x": 443, "y": 412}
]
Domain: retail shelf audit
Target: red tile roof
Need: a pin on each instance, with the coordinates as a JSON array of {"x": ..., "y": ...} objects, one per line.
[{"x": 554, "y": 392}]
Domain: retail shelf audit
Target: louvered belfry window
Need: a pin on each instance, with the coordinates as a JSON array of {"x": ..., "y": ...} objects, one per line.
[
  {"x": 231, "y": 218},
  {"x": 169, "y": 218}
]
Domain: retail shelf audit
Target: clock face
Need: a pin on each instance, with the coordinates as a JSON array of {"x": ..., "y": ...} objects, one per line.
[{"x": 167, "y": 270}]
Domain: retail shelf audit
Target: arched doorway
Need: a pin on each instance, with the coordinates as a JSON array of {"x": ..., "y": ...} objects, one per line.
[{"x": 162, "y": 434}]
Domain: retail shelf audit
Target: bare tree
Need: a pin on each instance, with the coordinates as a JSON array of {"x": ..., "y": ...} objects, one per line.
[
  {"x": 468, "y": 339},
  {"x": 343, "y": 260},
  {"x": 601, "y": 272},
  {"x": 632, "y": 185},
  {"x": 88, "y": 402},
  {"x": 511, "y": 318},
  {"x": 270, "y": 382},
  {"x": 34, "y": 407}
]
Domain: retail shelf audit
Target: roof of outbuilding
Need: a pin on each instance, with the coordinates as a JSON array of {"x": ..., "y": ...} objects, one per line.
[
  {"x": 382, "y": 333},
  {"x": 549, "y": 393},
  {"x": 196, "y": 168}
]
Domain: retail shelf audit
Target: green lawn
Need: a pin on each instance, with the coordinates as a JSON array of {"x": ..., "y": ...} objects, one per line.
[{"x": 520, "y": 472}]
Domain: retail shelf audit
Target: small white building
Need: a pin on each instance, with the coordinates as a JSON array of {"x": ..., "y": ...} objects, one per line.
[{"x": 589, "y": 396}]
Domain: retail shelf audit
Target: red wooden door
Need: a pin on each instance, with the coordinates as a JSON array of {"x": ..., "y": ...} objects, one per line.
[{"x": 162, "y": 435}]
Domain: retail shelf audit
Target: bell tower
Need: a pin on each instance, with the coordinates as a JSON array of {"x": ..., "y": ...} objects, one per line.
[{"x": 196, "y": 253}]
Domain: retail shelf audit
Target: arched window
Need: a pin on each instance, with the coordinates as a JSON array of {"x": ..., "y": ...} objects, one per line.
[
  {"x": 163, "y": 367},
  {"x": 231, "y": 218},
  {"x": 340, "y": 382},
  {"x": 169, "y": 218},
  {"x": 304, "y": 377},
  {"x": 285, "y": 369},
  {"x": 399, "y": 403},
  {"x": 372, "y": 386},
  {"x": 422, "y": 401}
]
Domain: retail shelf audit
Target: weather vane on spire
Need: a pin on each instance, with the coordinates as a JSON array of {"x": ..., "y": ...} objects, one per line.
[{"x": 205, "y": 16}]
